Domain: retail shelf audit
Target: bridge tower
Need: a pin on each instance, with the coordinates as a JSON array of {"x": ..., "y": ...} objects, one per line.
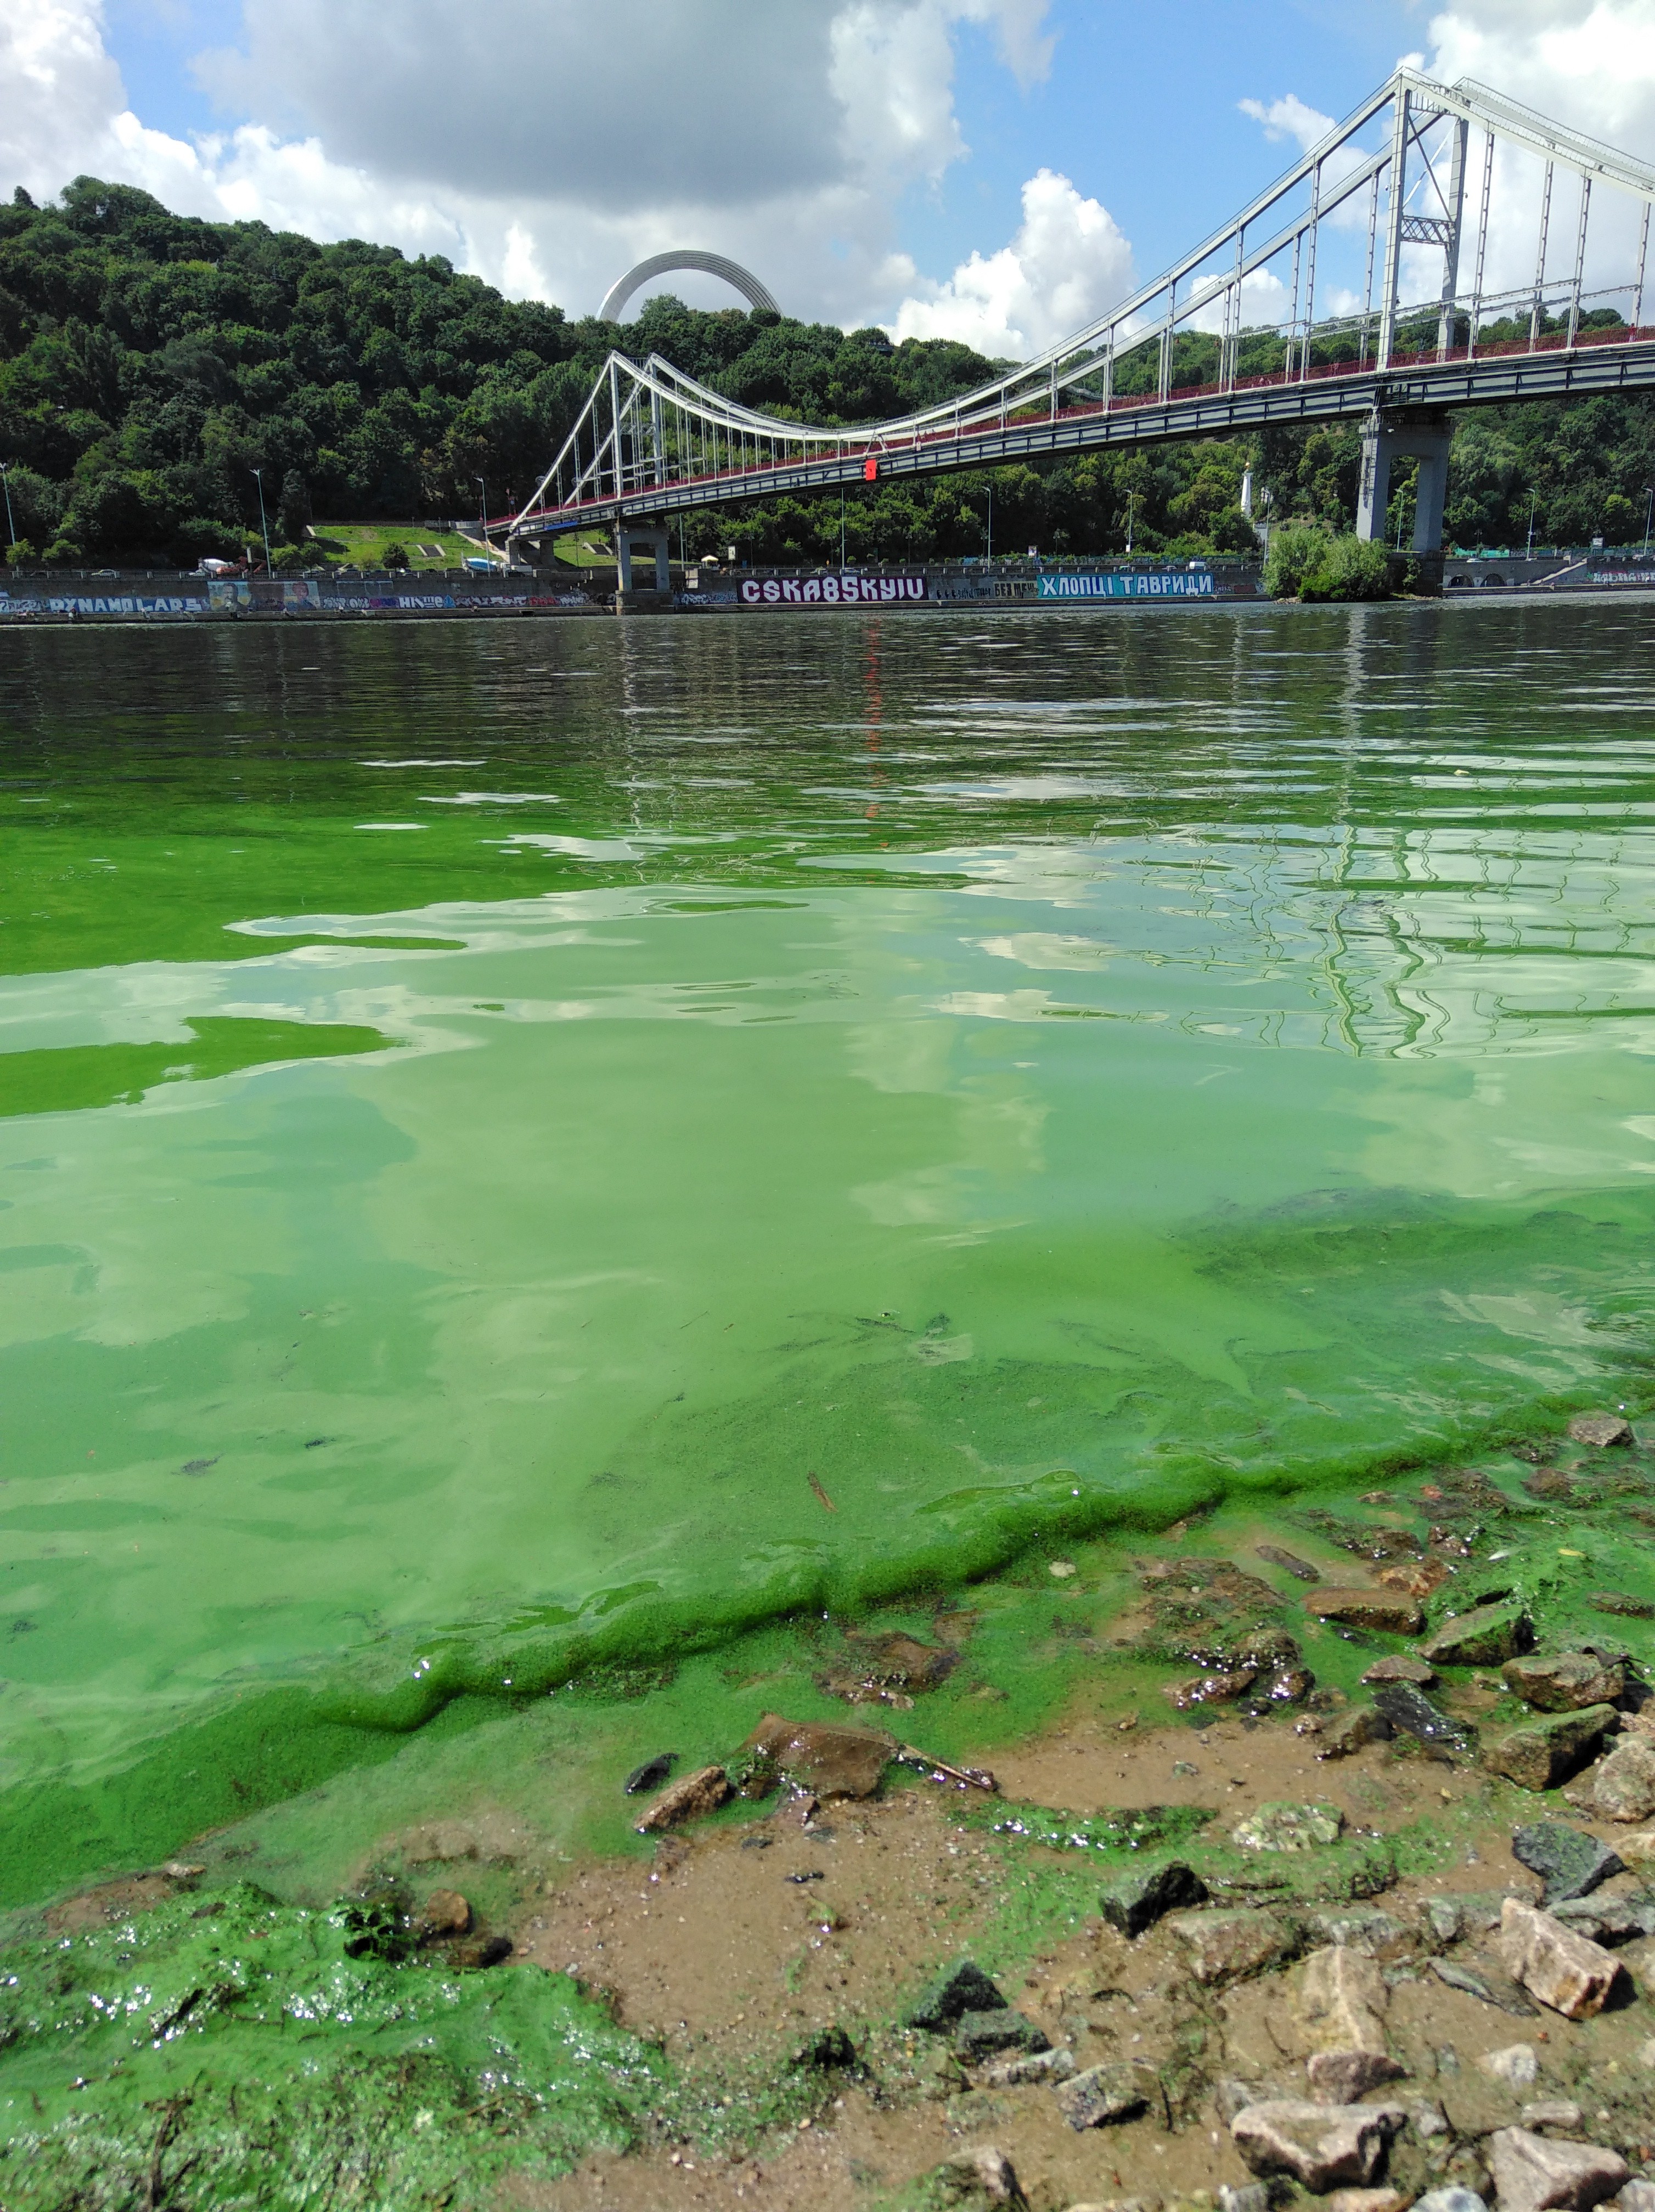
[
  {"x": 1393, "y": 435},
  {"x": 642, "y": 542}
]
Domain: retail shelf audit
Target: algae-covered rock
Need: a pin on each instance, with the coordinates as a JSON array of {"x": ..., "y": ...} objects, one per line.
[
  {"x": 1544, "y": 1752},
  {"x": 1570, "y": 1864},
  {"x": 964, "y": 1988},
  {"x": 1392, "y": 1611},
  {"x": 1564, "y": 1681},
  {"x": 995, "y": 2029},
  {"x": 822, "y": 1756},
  {"x": 1485, "y": 1636},
  {"x": 1139, "y": 1899},
  {"x": 1286, "y": 1827},
  {"x": 1226, "y": 1947},
  {"x": 1104, "y": 2094},
  {"x": 980, "y": 2180}
]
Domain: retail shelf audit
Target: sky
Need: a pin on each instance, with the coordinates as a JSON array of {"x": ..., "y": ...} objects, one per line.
[{"x": 998, "y": 171}]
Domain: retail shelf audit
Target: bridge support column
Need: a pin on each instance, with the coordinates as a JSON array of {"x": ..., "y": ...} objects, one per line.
[
  {"x": 642, "y": 542},
  {"x": 1390, "y": 437}
]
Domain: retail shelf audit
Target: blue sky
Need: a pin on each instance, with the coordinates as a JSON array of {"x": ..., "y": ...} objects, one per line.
[{"x": 999, "y": 170}]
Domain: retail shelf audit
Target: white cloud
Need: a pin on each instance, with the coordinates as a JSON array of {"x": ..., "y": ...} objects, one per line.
[
  {"x": 459, "y": 133},
  {"x": 1288, "y": 118},
  {"x": 1067, "y": 264}
]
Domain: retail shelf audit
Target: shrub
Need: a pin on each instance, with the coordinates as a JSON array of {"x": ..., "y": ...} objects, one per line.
[
  {"x": 1295, "y": 548},
  {"x": 394, "y": 557},
  {"x": 1309, "y": 563}
]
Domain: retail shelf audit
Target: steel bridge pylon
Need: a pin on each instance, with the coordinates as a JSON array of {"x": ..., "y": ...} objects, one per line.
[{"x": 1384, "y": 277}]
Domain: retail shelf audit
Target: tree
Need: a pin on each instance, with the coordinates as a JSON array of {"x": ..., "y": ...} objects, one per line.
[{"x": 293, "y": 508}]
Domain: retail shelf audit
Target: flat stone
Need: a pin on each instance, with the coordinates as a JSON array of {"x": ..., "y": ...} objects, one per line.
[
  {"x": 822, "y": 1756},
  {"x": 1400, "y": 1667},
  {"x": 704, "y": 1791},
  {"x": 1623, "y": 1788},
  {"x": 1232, "y": 1946},
  {"x": 1553, "y": 2113},
  {"x": 1353, "y": 1731},
  {"x": 1570, "y": 1864},
  {"x": 1636, "y": 2196},
  {"x": 1021, "y": 2068},
  {"x": 1531, "y": 2172},
  {"x": 986, "y": 2034},
  {"x": 1252, "y": 2196},
  {"x": 1415, "y": 1578},
  {"x": 1339, "y": 1998},
  {"x": 1301, "y": 1568},
  {"x": 1410, "y": 1711},
  {"x": 1488, "y": 1988},
  {"x": 1517, "y": 2065},
  {"x": 964, "y": 1988},
  {"x": 1564, "y": 1681},
  {"x": 1138, "y": 1900},
  {"x": 1622, "y": 1602},
  {"x": 1544, "y": 1752},
  {"x": 1485, "y": 1636},
  {"x": 1366, "y": 2200},
  {"x": 1103, "y": 2094},
  {"x": 1608, "y": 1919},
  {"x": 1567, "y": 1971},
  {"x": 1322, "y": 2147},
  {"x": 1600, "y": 1429},
  {"x": 1216, "y": 1688},
  {"x": 1343, "y": 2077},
  {"x": 1639, "y": 1850},
  {"x": 1286, "y": 1827},
  {"x": 1393, "y": 1612},
  {"x": 1450, "y": 2200}
]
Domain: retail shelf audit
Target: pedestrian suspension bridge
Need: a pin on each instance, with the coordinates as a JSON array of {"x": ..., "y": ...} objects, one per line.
[{"x": 1442, "y": 247}]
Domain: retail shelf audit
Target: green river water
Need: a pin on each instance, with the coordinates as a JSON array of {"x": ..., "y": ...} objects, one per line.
[{"x": 490, "y": 1113}]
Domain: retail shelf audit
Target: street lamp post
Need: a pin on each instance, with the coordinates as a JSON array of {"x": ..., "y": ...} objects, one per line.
[
  {"x": 11, "y": 527},
  {"x": 1649, "y": 510},
  {"x": 1528, "y": 552},
  {"x": 991, "y": 522},
  {"x": 1130, "y": 498},
  {"x": 264, "y": 528},
  {"x": 483, "y": 512}
]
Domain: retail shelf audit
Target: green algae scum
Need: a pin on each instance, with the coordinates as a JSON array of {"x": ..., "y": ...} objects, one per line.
[{"x": 546, "y": 1173}]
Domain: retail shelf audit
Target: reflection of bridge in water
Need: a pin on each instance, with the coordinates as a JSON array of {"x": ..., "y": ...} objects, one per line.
[{"x": 1395, "y": 263}]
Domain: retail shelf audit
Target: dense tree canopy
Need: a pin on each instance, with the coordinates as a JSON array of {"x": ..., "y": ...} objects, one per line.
[{"x": 151, "y": 363}]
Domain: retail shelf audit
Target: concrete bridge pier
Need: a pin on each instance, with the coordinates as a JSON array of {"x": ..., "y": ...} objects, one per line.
[
  {"x": 642, "y": 542},
  {"x": 1407, "y": 434}
]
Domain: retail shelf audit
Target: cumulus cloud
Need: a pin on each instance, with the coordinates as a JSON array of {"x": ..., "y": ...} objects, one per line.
[
  {"x": 1288, "y": 118},
  {"x": 460, "y": 133},
  {"x": 1067, "y": 264}
]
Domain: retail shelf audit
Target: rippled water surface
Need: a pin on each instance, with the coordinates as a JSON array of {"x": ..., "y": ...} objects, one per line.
[{"x": 491, "y": 1114}]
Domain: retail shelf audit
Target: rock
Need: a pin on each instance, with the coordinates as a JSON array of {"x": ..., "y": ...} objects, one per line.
[
  {"x": 1103, "y": 2094},
  {"x": 986, "y": 2034},
  {"x": 1530, "y": 2172},
  {"x": 650, "y": 1775},
  {"x": 969, "y": 2180},
  {"x": 1570, "y": 1864},
  {"x": 1563, "y": 1970},
  {"x": 829, "y": 2048},
  {"x": 1300, "y": 1568},
  {"x": 1490, "y": 1989},
  {"x": 1618, "y": 1601},
  {"x": 479, "y": 1951},
  {"x": 1137, "y": 1901},
  {"x": 1416, "y": 1578},
  {"x": 1450, "y": 2200},
  {"x": 1412, "y": 1713},
  {"x": 1553, "y": 2113},
  {"x": 445, "y": 1912},
  {"x": 1252, "y": 2197},
  {"x": 704, "y": 1791},
  {"x": 1400, "y": 1667},
  {"x": 822, "y": 1756},
  {"x": 1213, "y": 1689},
  {"x": 1623, "y": 1788},
  {"x": 1341, "y": 2077},
  {"x": 1608, "y": 1919},
  {"x": 1232, "y": 1946},
  {"x": 1283, "y": 1827},
  {"x": 1392, "y": 1611},
  {"x": 964, "y": 1988},
  {"x": 1366, "y": 2200},
  {"x": 1322, "y": 2147},
  {"x": 1602, "y": 1430},
  {"x": 1544, "y": 1752},
  {"x": 1516, "y": 2066},
  {"x": 1020, "y": 2068},
  {"x": 1564, "y": 1681},
  {"x": 1339, "y": 1999},
  {"x": 1485, "y": 1636},
  {"x": 1636, "y": 2196},
  {"x": 1230, "y": 2096},
  {"x": 1352, "y": 1730},
  {"x": 1363, "y": 1930},
  {"x": 1639, "y": 1850}
]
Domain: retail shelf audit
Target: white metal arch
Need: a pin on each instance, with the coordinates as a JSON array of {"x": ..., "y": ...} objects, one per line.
[{"x": 710, "y": 264}]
